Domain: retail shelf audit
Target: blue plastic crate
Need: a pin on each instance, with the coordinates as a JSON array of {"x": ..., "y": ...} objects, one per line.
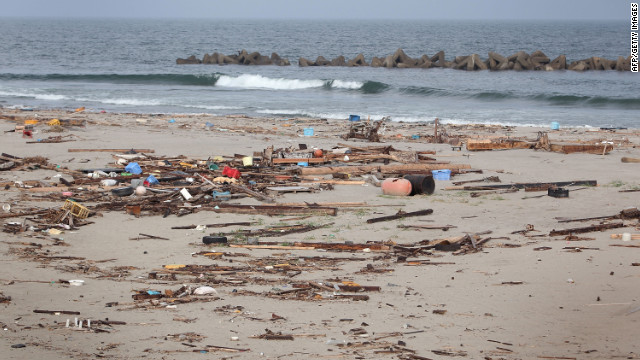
[{"x": 441, "y": 174}]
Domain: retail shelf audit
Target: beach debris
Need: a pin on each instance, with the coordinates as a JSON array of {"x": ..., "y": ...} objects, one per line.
[
  {"x": 120, "y": 150},
  {"x": 539, "y": 186},
  {"x": 542, "y": 142},
  {"x": 586, "y": 229},
  {"x": 365, "y": 130},
  {"x": 400, "y": 215}
]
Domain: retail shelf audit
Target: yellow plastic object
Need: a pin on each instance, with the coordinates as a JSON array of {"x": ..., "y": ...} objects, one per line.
[
  {"x": 350, "y": 283},
  {"x": 30, "y": 122},
  {"x": 76, "y": 209},
  {"x": 224, "y": 180},
  {"x": 80, "y": 109},
  {"x": 174, "y": 266},
  {"x": 187, "y": 165},
  {"x": 54, "y": 122}
]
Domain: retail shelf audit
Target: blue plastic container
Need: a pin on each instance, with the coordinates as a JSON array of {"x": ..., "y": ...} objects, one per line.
[
  {"x": 441, "y": 174},
  {"x": 133, "y": 168},
  {"x": 303, "y": 163},
  {"x": 308, "y": 131},
  {"x": 152, "y": 180},
  {"x": 555, "y": 125},
  {"x": 354, "y": 117}
]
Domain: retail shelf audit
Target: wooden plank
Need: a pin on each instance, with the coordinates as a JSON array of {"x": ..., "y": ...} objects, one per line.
[
  {"x": 584, "y": 148},
  {"x": 630, "y": 160},
  {"x": 539, "y": 185},
  {"x": 502, "y": 144},
  {"x": 297, "y": 160},
  {"x": 113, "y": 150},
  {"x": 325, "y": 170},
  {"x": 586, "y": 229},
  {"x": 275, "y": 210}
]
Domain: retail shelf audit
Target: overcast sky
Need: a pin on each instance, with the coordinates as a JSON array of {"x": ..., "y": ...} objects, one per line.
[{"x": 324, "y": 9}]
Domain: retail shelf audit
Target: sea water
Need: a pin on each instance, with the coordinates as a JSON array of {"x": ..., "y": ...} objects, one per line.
[{"x": 130, "y": 66}]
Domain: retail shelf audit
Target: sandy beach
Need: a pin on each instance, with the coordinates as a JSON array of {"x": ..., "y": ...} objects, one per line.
[{"x": 520, "y": 293}]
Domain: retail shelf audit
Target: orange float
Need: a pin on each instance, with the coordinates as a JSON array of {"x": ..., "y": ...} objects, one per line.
[{"x": 396, "y": 187}]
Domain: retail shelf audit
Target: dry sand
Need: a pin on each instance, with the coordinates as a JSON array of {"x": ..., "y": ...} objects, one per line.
[{"x": 569, "y": 305}]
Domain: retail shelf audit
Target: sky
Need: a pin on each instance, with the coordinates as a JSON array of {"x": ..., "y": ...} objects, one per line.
[{"x": 324, "y": 9}]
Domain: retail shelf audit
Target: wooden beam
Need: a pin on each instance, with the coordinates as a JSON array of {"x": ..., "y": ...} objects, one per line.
[
  {"x": 113, "y": 150},
  {"x": 324, "y": 170}
]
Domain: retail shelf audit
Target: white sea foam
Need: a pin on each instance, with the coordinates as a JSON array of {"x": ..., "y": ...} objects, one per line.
[
  {"x": 248, "y": 81},
  {"x": 33, "y": 95},
  {"x": 132, "y": 102},
  {"x": 341, "y": 84},
  {"x": 213, "y": 107}
]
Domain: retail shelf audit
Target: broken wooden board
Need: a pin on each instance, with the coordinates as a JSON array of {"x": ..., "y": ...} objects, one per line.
[
  {"x": 630, "y": 160},
  {"x": 275, "y": 210},
  {"x": 586, "y": 229},
  {"x": 569, "y": 148},
  {"x": 289, "y": 189},
  {"x": 400, "y": 215},
  {"x": 325, "y": 170},
  {"x": 540, "y": 186},
  {"x": 499, "y": 144},
  {"x": 113, "y": 150}
]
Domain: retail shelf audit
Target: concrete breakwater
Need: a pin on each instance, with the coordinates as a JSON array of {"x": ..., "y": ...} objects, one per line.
[{"x": 518, "y": 61}]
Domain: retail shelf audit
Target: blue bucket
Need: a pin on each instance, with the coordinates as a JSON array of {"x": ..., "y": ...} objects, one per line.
[
  {"x": 441, "y": 174},
  {"x": 308, "y": 131},
  {"x": 555, "y": 125},
  {"x": 354, "y": 117}
]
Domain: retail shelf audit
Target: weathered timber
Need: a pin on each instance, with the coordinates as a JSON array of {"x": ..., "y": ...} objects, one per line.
[
  {"x": 277, "y": 161},
  {"x": 570, "y": 148},
  {"x": 489, "y": 144},
  {"x": 487, "y": 179},
  {"x": 55, "y": 312},
  {"x": 324, "y": 170},
  {"x": 542, "y": 186},
  {"x": 630, "y": 160},
  {"x": 113, "y": 150},
  {"x": 275, "y": 210},
  {"x": 586, "y": 229},
  {"x": 312, "y": 246},
  {"x": 400, "y": 215},
  {"x": 255, "y": 194},
  {"x": 630, "y": 213},
  {"x": 244, "y": 223}
]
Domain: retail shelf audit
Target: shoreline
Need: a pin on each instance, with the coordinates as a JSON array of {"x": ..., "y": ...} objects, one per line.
[{"x": 522, "y": 294}]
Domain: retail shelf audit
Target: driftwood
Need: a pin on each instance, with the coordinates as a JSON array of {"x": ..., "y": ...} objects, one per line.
[
  {"x": 539, "y": 186},
  {"x": 275, "y": 210},
  {"x": 324, "y": 170},
  {"x": 586, "y": 229},
  {"x": 113, "y": 150},
  {"x": 400, "y": 215}
]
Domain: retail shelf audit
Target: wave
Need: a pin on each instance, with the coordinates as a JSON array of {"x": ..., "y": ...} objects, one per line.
[
  {"x": 248, "y": 81},
  {"x": 159, "y": 79},
  {"x": 244, "y": 81},
  {"x": 591, "y": 101}
]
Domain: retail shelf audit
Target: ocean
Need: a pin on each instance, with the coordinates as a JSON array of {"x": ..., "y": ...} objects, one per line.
[{"x": 130, "y": 66}]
